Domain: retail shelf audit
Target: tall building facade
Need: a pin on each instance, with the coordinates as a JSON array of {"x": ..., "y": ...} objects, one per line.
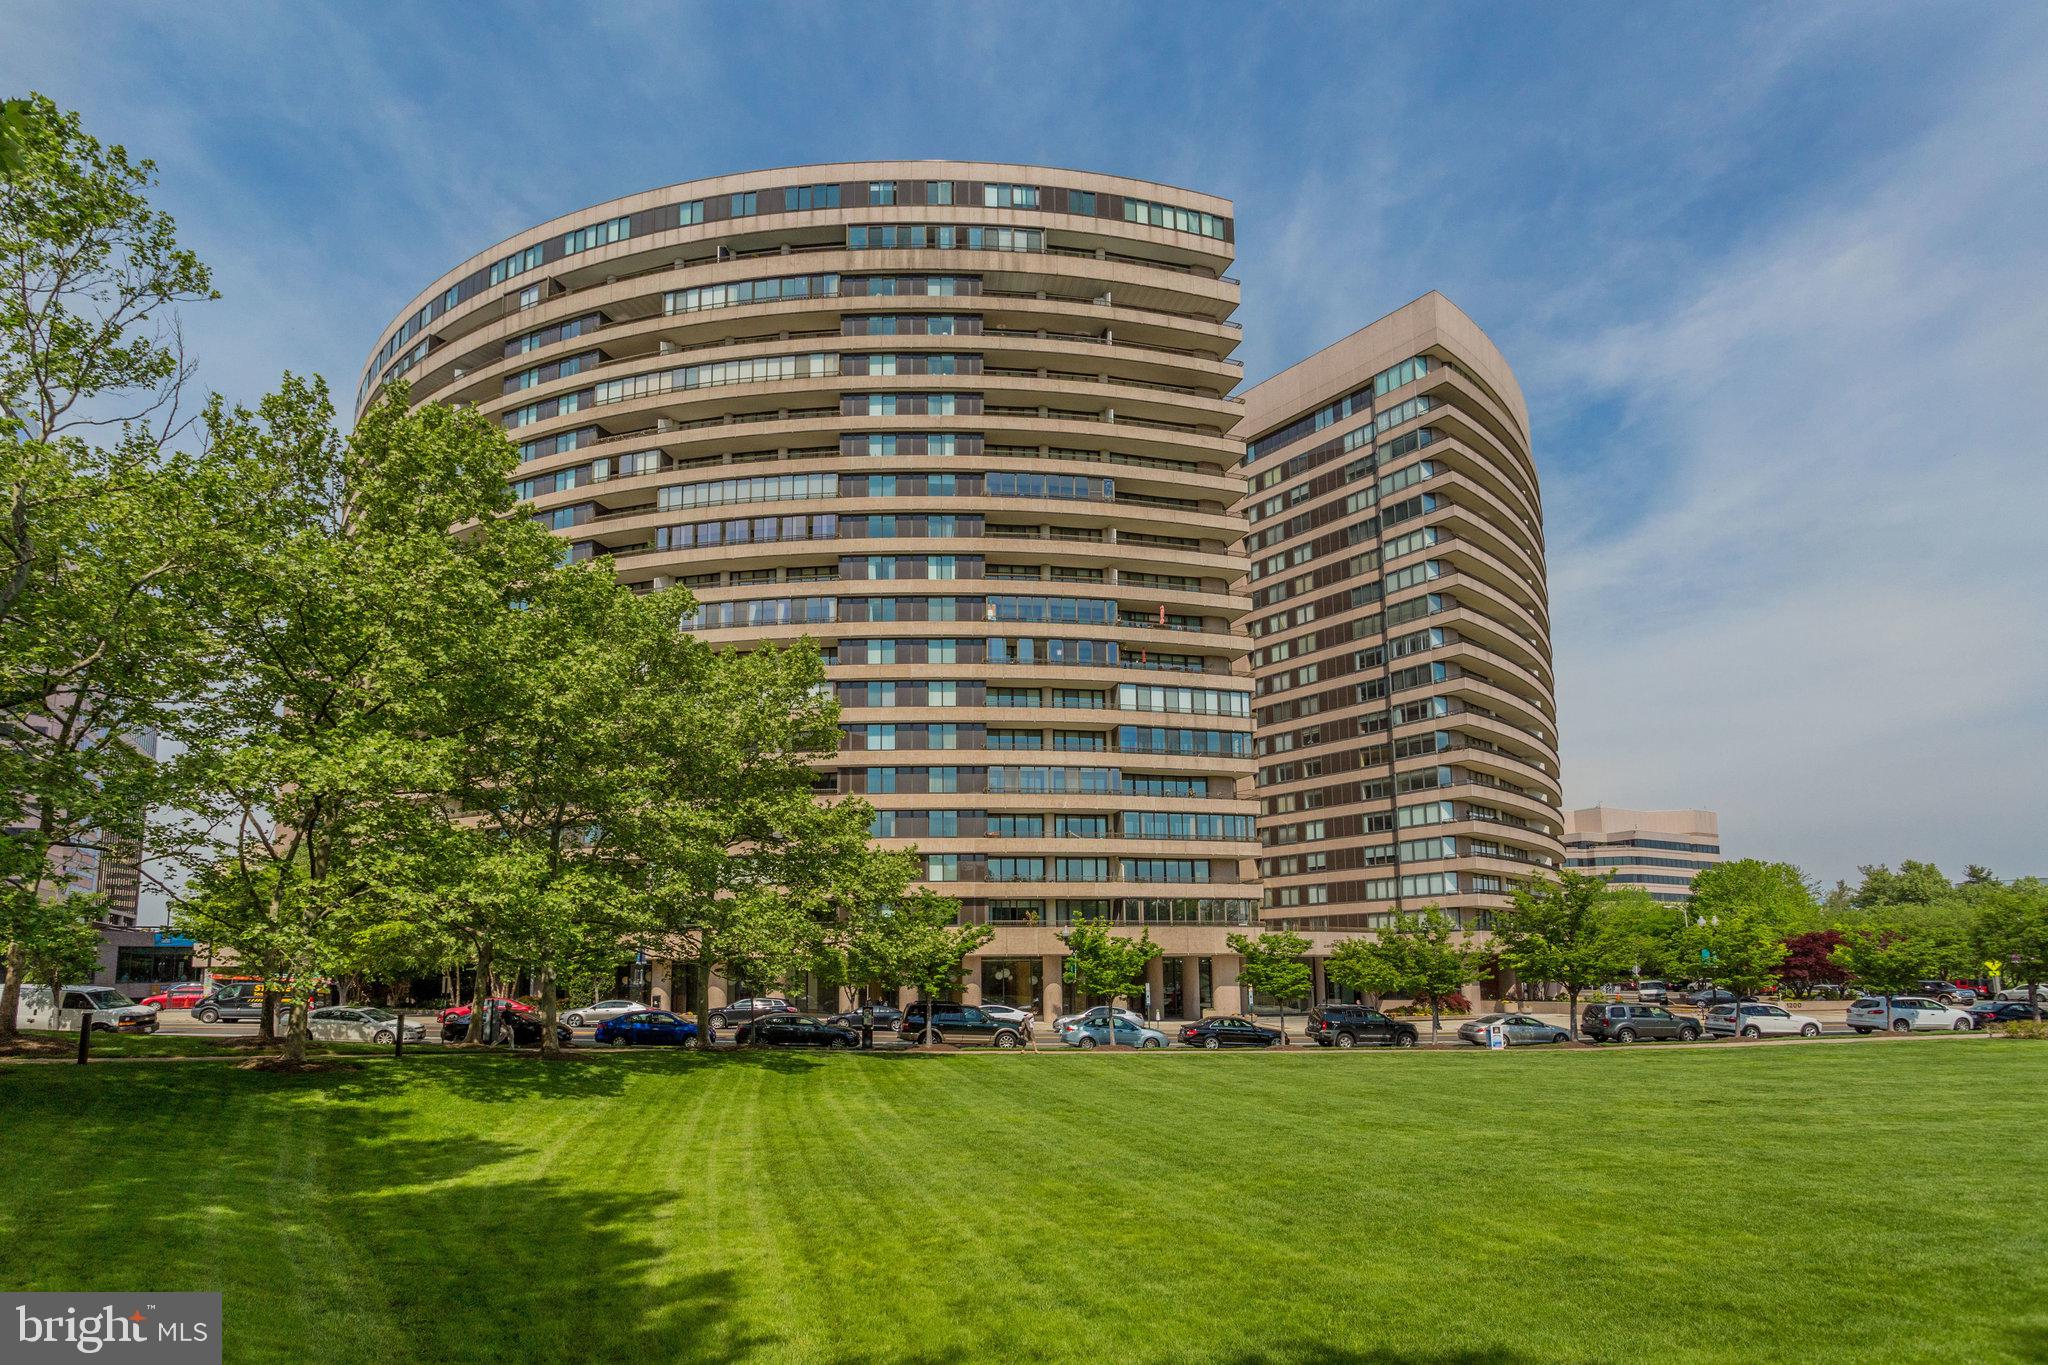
[
  {"x": 1400, "y": 628},
  {"x": 1658, "y": 851},
  {"x": 970, "y": 426}
]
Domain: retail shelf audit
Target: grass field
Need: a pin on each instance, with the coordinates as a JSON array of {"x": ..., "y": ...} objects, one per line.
[{"x": 1861, "y": 1201}]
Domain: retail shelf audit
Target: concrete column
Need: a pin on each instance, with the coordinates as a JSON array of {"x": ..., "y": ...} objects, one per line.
[
  {"x": 1155, "y": 985},
  {"x": 848, "y": 999},
  {"x": 1049, "y": 989},
  {"x": 1319, "y": 987},
  {"x": 970, "y": 988},
  {"x": 1191, "y": 987},
  {"x": 716, "y": 995},
  {"x": 1229, "y": 996}
]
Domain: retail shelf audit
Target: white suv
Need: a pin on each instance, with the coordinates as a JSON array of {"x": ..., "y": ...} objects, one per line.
[
  {"x": 1907, "y": 1012},
  {"x": 1758, "y": 1020}
]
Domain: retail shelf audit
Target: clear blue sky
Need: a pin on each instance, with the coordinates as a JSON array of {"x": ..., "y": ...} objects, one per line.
[{"x": 1773, "y": 279}]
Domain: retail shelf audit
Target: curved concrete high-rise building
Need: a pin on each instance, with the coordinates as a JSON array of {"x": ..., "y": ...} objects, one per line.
[
  {"x": 1407, "y": 728},
  {"x": 970, "y": 427}
]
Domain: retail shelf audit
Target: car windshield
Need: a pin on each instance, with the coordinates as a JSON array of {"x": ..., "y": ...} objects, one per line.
[
  {"x": 378, "y": 1013},
  {"x": 103, "y": 999}
]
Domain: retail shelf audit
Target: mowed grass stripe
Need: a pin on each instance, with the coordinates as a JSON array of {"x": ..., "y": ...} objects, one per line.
[{"x": 1812, "y": 1203}]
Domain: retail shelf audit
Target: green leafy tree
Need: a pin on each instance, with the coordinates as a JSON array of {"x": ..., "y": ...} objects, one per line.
[
  {"x": 1275, "y": 966},
  {"x": 1883, "y": 962},
  {"x": 1913, "y": 884},
  {"x": 1106, "y": 965},
  {"x": 1368, "y": 966},
  {"x": 2013, "y": 928},
  {"x": 1436, "y": 959},
  {"x": 349, "y": 615},
  {"x": 1741, "y": 914},
  {"x": 914, "y": 941},
  {"x": 1575, "y": 931},
  {"x": 104, "y": 531},
  {"x": 66, "y": 948}
]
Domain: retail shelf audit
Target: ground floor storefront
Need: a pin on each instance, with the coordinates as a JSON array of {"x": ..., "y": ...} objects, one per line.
[{"x": 1195, "y": 976}]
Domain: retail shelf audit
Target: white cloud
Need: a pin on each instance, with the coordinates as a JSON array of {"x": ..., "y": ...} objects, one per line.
[{"x": 1830, "y": 625}]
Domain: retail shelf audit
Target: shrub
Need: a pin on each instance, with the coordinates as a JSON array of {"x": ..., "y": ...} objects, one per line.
[
  {"x": 1454, "y": 1003},
  {"x": 2023, "y": 1028}
]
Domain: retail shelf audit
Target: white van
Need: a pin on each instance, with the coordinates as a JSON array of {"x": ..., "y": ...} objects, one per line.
[{"x": 111, "y": 1011}]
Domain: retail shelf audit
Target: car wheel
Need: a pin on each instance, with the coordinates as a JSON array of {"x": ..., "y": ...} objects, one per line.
[
  {"x": 1149, "y": 1042},
  {"x": 1962, "y": 1026},
  {"x": 1212, "y": 1043},
  {"x": 1861, "y": 1029},
  {"x": 1624, "y": 1035},
  {"x": 1809, "y": 1030},
  {"x": 1405, "y": 1040},
  {"x": 1902, "y": 1026},
  {"x": 1752, "y": 1031},
  {"x": 1688, "y": 1034},
  {"x": 1560, "y": 1037},
  {"x": 209, "y": 1015},
  {"x": 1087, "y": 1042},
  {"x": 717, "y": 1022},
  {"x": 1346, "y": 1040},
  {"x": 574, "y": 1021},
  {"x": 1007, "y": 1041},
  {"x": 385, "y": 1036},
  {"x": 620, "y": 1040}
]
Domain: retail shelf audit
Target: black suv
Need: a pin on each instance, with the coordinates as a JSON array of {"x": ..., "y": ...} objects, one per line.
[
  {"x": 1627, "y": 1023},
  {"x": 955, "y": 1023},
  {"x": 1356, "y": 1025}
]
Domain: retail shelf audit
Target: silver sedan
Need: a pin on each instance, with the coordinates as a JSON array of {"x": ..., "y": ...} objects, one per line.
[
  {"x": 362, "y": 1024},
  {"x": 1520, "y": 1029}
]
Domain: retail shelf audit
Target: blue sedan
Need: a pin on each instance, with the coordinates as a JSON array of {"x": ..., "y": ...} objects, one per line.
[{"x": 647, "y": 1028}]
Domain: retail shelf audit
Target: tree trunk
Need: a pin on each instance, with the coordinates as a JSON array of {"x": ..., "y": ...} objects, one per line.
[
  {"x": 479, "y": 993},
  {"x": 550, "y": 1046},
  {"x": 398, "y": 1038},
  {"x": 295, "y": 1039},
  {"x": 10, "y": 994},
  {"x": 1571, "y": 1019},
  {"x": 1283, "y": 1026},
  {"x": 930, "y": 1011},
  {"x": 1435, "y": 1019},
  {"x": 2033, "y": 1000},
  {"x": 700, "y": 974}
]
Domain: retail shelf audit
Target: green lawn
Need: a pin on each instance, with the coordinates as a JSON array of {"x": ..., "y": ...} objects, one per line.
[{"x": 1872, "y": 1201}]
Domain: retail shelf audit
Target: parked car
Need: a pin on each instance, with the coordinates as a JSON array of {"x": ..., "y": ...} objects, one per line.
[
  {"x": 1009, "y": 1014},
  {"x": 1759, "y": 1020},
  {"x": 1627, "y": 1023},
  {"x": 181, "y": 997},
  {"x": 2020, "y": 993},
  {"x": 1991, "y": 1012},
  {"x": 504, "y": 1006},
  {"x": 516, "y": 1028},
  {"x": 1717, "y": 995},
  {"x": 596, "y": 1014},
  {"x": 794, "y": 1030},
  {"x": 886, "y": 1017},
  {"x": 1228, "y": 1031},
  {"x": 240, "y": 1002},
  {"x": 647, "y": 1028},
  {"x": 1520, "y": 1029},
  {"x": 362, "y": 1024},
  {"x": 956, "y": 1023},
  {"x": 1358, "y": 1025},
  {"x": 1095, "y": 1033},
  {"x": 1093, "y": 1016},
  {"x": 1906, "y": 1013},
  {"x": 110, "y": 1011},
  {"x": 1948, "y": 992},
  {"x": 1652, "y": 992},
  {"x": 749, "y": 1008}
]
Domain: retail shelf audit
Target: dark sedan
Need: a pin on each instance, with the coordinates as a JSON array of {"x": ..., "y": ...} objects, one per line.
[
  {"x": 795, "y": 1031},
  {"x": 647, "y": 1028},
  {"x": 1719, "y": 995},
  {"x": 886, "y": 1017},
  {"x": 515, "y": 1029},
  {"x": 1999, "y": 1012},
  {"x": 1228, "y": 1031}
]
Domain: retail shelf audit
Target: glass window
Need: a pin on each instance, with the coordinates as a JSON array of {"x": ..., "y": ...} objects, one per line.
[
  {"x": 881, "y": 192},
  {"x": 938, "y": 192},
  {"x": 743, "y": 205}
]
